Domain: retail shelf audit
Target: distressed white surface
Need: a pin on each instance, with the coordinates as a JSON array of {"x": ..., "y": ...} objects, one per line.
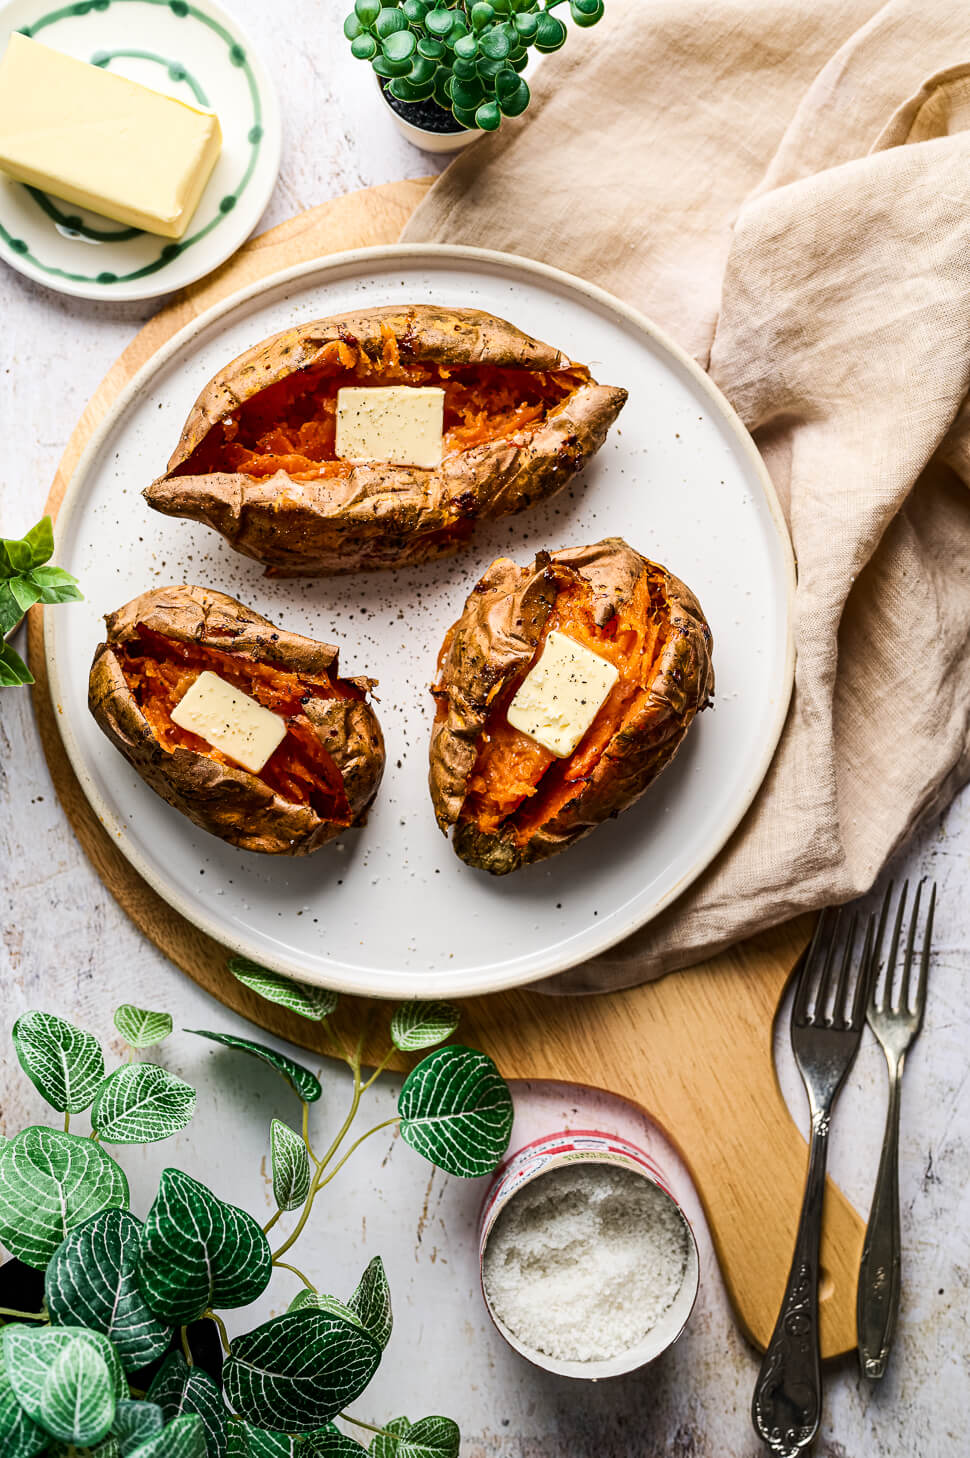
[{"x": 67, "y": 947}]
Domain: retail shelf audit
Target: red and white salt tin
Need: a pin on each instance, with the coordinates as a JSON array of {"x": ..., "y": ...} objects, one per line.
[{"x": 592, "y": 1146}]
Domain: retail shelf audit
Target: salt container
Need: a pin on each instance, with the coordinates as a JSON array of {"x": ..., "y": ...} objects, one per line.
[{"x": 589, "y": 1265}]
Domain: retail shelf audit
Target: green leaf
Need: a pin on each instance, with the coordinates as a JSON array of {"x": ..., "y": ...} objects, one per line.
[
  {"x": 432, "y": 1437},
  {"x": 456, "y": 1111},
  {"x": 20, "y": 1436},
  {"x": 179, "y": 1389},
  {"x": 307, "y": 1087},
  {"x": 134, "y": 1422},
  {"x": 43, "y": 1377},
  {"x": 197, "y": 1252},
  {"x": 10, "y": 610},
  {"x": 91, "y": 1281},
  {"x": 245, "y": 1441},
  {"x": 319, "y": 1302},
  {"x": 315, "y": 1003},
  {"x": 514, "y": 103},
  {"x": 49, "y": 1183},
  {"x": 110, "y": 1448},
  {"x": 298, "y": 1371},
  {"x": 19, "y": 556},
  {"x": 14, "y": 672},
  {"x": 24, "y": 593},
  {"x": 78, "y": 1400},
  {"x": 183, "y": 1438},
  {"x": 141, "y": 1103},
  {"x": 417, "y": 1025},
  {"x": 330, "y": 1442},
  {"x": 141, "y": 1028},
  {"x": 371, "y": 1303},
  {"x": 64, "y": 1063},
  {"x": 291, "y": 1166},
  {"x": 54, "y": 585}
]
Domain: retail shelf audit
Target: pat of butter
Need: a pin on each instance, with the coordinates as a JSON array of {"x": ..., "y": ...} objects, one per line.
[
  {"x": 230, "y": 721},
  {"x": 100, "y": 141},
  {"x": 401, "y": 424},
  {"x": 559, "y": 699}
]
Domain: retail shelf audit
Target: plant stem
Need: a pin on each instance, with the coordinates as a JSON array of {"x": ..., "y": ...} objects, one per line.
[
  {"x": 380, "y": 1068},
  {"x": 185, "y": 1346},
  {"x": 385, "y": 1432},
  {"x": 306, "y": 1131},
  {"x": 357, "y": 1142},
  {"x": 67, "y": 1121},
  {"x": 25, "y": 1315},
  {"x": 297, "y": 1272},
  {"x": 214, "y": 1316},
  {"x": 271, "y": 1222}
]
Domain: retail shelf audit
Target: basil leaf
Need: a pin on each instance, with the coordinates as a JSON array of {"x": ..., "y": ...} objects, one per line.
[
  {"x": 49, "y": 1183},
  {"x": 298, "y": 1371},
  {"x": 13, "y": 670},
  {"x": 179, "y": 1389},
  {"x": 10, "y": 610},
  {"x": 134, "y": 1422},
  {"x": 53, "y": 584},
  {"x": 417, "y": 1025},
  {"x": 23, "y": 592},
  {"x": 20, "y": 1436},
  {"x": 184, "y": 1437},
  {"x": 91, "y": 1281},
  {"x": 371, "y": 1303},
  {"x": 291, "y": 1166},
  {"x": 18, "y": 556},
  {"x": 306, "y": 1085},
  {"x": 64, "y": 1063},
  {"x": 315, "y": 1003},
  {"x": 141, "y": 1028},
  {"x": 141, "y": 1103},
  {"x": 456, "y": 1111},
  {"x": 196, "y": 1252}
]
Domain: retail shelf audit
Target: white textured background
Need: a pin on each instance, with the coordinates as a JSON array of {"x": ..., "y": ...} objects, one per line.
[{"x": 66, "y": 947}]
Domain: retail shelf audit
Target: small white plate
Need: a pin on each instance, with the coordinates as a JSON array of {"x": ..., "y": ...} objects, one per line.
[
  {"x": 195, "y": 52},
  {"x": 390, "y": 910}
]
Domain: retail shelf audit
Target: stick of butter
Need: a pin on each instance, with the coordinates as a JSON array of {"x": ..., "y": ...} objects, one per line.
[
  {"x": 400, "y": 424},
  {"x": 560, "y": 697},
  {"x": 230, "y": 721},
  {"x": 101, "y": 141}
]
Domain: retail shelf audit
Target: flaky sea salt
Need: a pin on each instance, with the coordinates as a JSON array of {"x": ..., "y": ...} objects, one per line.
[{"x": 583, "y": 1262}]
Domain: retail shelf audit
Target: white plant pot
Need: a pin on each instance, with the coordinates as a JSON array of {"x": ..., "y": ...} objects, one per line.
[{"x": 440, "y": 142}]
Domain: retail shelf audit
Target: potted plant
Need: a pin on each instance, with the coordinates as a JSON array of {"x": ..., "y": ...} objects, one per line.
[{"x": 452, "y": 69}]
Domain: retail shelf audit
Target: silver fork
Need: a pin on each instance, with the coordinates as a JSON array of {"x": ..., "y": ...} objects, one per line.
[
  {"x": 896, "y": 1023},
  {"x": 787, "y": 1399}
]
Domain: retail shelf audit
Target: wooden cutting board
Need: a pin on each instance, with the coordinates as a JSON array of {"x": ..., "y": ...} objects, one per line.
[{"x": 694, "y": 1050}]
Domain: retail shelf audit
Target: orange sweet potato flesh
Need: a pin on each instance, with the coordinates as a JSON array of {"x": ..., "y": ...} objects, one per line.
[{"x": 159, "y": 671}]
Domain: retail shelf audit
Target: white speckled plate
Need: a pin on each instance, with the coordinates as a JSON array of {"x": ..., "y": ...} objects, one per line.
[
  {"x": 193, "y": 51},
  {"x": 390, "y": 910}
]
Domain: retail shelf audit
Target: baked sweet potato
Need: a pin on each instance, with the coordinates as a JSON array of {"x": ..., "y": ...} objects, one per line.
[
  {"x": 256, "y": 459},
  {"x": 508, "y": 799},
  {"x": 319, "y": 780}
]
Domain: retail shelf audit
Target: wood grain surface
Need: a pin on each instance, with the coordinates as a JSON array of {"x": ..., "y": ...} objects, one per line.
[{"x": 693, "y": 1049}]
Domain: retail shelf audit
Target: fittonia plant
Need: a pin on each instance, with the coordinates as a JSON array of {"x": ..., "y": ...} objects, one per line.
[
  {"x": 119, "y": 1345},
  {"x": 467, "y": 55}
]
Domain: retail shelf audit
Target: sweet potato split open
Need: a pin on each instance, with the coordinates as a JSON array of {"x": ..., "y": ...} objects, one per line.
[
  {"x": 159, "y": 671},
  {"x": 290, "y": 425},
  {"x": 518, "y": 785}
]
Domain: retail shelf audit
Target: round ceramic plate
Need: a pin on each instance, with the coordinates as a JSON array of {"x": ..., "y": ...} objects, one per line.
[
  {"x": 195, "y": 52},
  {"x": 389, "y": 909}
]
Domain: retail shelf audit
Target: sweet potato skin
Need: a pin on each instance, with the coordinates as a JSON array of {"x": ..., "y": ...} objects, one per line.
[
  {"x": 227, "y": 800},
  {"x": 382, "y": 515},
  {"x": 496, "y": 638}
]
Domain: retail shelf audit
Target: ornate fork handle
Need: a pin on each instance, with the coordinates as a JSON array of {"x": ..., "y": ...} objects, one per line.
[
  {"x": 788, "y": 1396},
  {"x": 877, "y": 1301}
]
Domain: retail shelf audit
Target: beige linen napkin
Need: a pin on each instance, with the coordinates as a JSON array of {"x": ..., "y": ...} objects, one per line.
[{"x": 785, "y": 187}]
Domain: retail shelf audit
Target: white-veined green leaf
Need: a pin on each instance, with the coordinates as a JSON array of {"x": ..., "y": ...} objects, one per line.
[
  {"x": 330, "y": 1442},
  {"x": 91, "y": 1281},
  {"x": 298, "y": 1371},
  {"x": 30, "y": 1355},
  {"x": 371, "y": 1303},
  {"x": 315, "y": 1003},
  {"x": 307, "y": 1087},
  {"x": 64, "y": 1063},
  {"x": 20, "y": 1436},
  {"x": 417, "y": 1025},
  {"x": 135, "y": 1422},
  {"x": 456, "y": 1111},
  {"x": 291, "y": 1166},
  {"x": 141, "y": 1028},
  {"x": 246, "y": 1441},
  {"x": 432, "y": 1437},
  {"x": 179, "y": 1388},
  {"x": 196, "y": 1251},
  {"x": 182, "y": 1438},
  {"x": 320, "y": 1302},
  {"x": 141, "y": 1103},
  {"x": 77, "y": 1402},
  {"x": 49, "y": 1183},
  {"x": 110, "y": 1448}
]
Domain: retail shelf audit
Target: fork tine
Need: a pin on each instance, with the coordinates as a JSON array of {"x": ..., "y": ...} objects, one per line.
[
  {"x": 867, "y": 972},
  {"x": 877, "y": 944},
  {"x": 903, "y": 1003},
  {"x": 824, "y": 992},
  {"x": 838, "y": 1002},
  {"x": 925, "y": 958},
  {"x": 887, "y": 997},
  {"x": 806, "y": 973}
]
